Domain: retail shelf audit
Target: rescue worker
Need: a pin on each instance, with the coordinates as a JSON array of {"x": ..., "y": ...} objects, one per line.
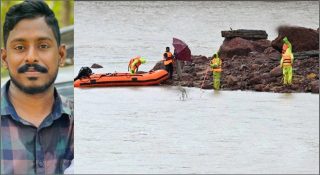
[
  {"x": 287, "y": 61},
  {"x": 168, "y": 61},
  {"x": 134, "y": 64},
  {"x": 216, "y": 64}
]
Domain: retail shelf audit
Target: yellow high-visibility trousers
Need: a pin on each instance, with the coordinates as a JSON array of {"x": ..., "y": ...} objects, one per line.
[
  {"x": 216, "y": 80},
  {"x": 287, "y": 75}
]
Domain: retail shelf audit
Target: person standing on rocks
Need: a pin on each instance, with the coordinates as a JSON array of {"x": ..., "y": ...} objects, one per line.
[
  {"x": 216, "y": 64},
  {"x": 168, "y": 61},
  {"x": 286, "y": 62},
  {"x": 134, "y": 64}
]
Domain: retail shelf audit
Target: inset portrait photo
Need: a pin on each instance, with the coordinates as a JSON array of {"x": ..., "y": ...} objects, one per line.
[{"x": 37, "y": 87}]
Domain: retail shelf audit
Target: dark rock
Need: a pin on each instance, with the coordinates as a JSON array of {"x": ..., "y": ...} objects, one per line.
[
  {"x": 294, "y": 87},
  {"x": 245, "y": 33},
  {"x": 188, "y": 69},
  {"x": 306, "y": 54},
  {"x": 272, "y": 54},
  {"x": 259, "y": 87},
  {"x": 200, "y": 60},
  {"x": 207, "y": 85},
  {"x": 265, "y": 75},
  {"x": 255, "y": 66},
  {"x": 276, "y": 89},
  {"x": 186, "y": 77},
  {"x": 255, "y": 80},
  {"x": 186, "y": 83},
  {"x": 315, "y": 86},
  {"x": 266, "y": 88},
  {"x": 168, "y": 82},
  {"x": 302, "y": 39},
  {"x": 231, "y": 80},
  {"x": 203, "y": 75},
  {"x": 270, "y": 50},
  {"x": 243, "y": 66},
  {"x": 260, "y": 45},
  {"x": 276, "y": 72},
  {"x": 259, "y": 61},
  {"x": 200, "y": 67},
  {"x": 235, "y": 46},
  {"x": 95, "y": 65}
]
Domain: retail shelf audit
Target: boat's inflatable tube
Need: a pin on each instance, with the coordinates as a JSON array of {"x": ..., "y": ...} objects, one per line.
[{"x": 122, "y": 79}]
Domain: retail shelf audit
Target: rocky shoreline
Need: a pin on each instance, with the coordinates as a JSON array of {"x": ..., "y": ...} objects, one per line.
[{"x": 253, "y": 64}]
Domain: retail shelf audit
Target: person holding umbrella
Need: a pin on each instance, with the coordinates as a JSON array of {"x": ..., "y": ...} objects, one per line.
[
  {"x": 216, "y": 64},
  {"x": 168, "y": 61},
  {"x": 181, "y": 53}
]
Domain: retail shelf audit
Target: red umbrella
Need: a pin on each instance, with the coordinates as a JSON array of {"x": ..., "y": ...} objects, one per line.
[{"x": 181, "y": 50}]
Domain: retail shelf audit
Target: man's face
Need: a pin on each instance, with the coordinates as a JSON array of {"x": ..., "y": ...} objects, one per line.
[
  {"x": 32, "y": 42},
  {"x": 284, "y": 48}
]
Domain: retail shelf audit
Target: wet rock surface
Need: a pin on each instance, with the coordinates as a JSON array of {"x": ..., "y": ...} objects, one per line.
[{"x": 250, "y": 65}]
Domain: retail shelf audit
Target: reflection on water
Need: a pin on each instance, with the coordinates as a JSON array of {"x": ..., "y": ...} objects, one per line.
[
  {"x": 287, "y": 96},
  {"x": 151, "y": 130}
]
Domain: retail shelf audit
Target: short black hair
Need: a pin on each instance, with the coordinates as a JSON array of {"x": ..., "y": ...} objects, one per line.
[
  {"x": 167, "y": 48},
  {"x": 30, "y": 9}
]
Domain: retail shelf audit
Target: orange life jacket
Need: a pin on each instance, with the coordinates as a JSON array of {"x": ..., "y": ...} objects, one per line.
[
  {"x": 286, "y": 59},
  {"x": 134, "y": 67},
  {"x": 169, "y": 58},
  {"x": 214, "y": 61}
]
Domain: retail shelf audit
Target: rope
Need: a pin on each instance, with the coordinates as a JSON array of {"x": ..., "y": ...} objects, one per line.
[{"x": 205, "y": 77}]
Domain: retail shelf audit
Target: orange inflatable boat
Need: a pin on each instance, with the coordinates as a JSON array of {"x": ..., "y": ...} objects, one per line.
[{"x": 122, "y": 79}]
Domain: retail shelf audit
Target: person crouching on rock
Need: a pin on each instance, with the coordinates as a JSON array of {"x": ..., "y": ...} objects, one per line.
[
  {"x": 134, "y": 64},
  {"x": 286, "y": 62},
  {"x": 168, "y": 61},
  {"x": 216, "y": 64}
]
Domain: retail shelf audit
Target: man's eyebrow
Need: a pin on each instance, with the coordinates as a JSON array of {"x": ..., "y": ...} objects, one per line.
[
  {"x": 39, "y": 39},
  {"x": 44, "y": 38},
  {"x": 18, "y": 40}
]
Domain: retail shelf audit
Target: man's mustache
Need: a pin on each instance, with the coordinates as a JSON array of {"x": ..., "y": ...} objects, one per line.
[{"x": 36, "y": 67}]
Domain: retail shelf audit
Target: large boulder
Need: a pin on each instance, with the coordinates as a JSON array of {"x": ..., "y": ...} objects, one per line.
[
  {"x": 235, "y": 46},
  {"x": 276, "y": 72},
  {"x": 242, "y": 47},
  {"x": 302, "y": 39}
]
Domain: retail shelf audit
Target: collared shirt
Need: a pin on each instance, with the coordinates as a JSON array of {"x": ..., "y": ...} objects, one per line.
[{"x": 26, "y": 149}]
